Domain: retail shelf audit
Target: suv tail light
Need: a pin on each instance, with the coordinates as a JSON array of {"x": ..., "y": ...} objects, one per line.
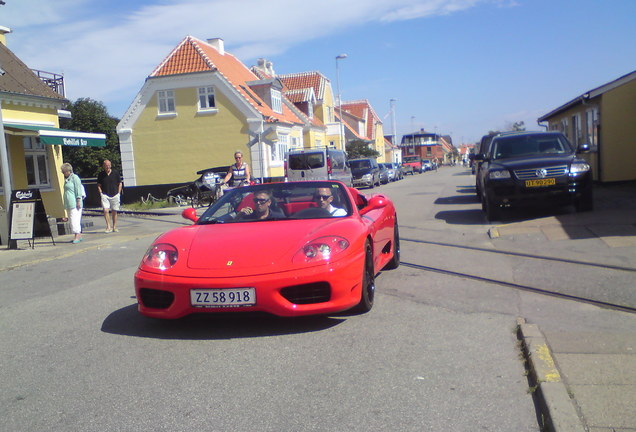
[{"x": 329, "y": 165}]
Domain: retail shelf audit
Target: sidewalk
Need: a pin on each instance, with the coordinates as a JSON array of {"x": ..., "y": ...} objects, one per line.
[
  {"x": 584, "y": 381},
  {"x": 132, "y": 226}
]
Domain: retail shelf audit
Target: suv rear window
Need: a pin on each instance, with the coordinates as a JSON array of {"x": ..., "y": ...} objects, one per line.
[{"x": 302, "y": 161}]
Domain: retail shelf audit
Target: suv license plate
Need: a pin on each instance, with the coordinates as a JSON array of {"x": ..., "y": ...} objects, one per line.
[
  {"x": 216, "y": 298},
  {"x": 541, "y": 182}
]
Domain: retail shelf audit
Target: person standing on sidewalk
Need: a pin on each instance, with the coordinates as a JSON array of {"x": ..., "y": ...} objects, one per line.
[
  {"x": 109, "y": 186},
  {"x": 73, "y": 200}
]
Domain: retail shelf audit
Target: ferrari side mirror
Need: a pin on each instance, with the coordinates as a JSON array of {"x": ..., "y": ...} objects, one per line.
[
  {"x": 190, "y": 214},
  {"x": 375, "y": 202}
]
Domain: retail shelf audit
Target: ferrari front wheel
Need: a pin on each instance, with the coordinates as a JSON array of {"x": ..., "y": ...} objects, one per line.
[{"x": 368, "y": 282}]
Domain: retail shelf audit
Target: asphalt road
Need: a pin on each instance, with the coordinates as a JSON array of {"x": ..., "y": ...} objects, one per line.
[{"x": 437, "y": 352}]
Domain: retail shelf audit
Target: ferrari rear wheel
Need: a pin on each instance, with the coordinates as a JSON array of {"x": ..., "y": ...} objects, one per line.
[{"x": 368, "y": 282}]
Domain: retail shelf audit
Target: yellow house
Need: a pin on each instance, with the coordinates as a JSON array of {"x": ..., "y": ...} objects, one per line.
[
  {"x": 367, "y": 125},
  {"x": 199, "y": 106},
  {"x": 312, "y": 94},
  {"x": 604, "y": 118},
  {"x": 30, "y": 138}
]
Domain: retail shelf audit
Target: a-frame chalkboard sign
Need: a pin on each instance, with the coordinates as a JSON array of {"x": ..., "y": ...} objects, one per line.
[{"x": 27, "y": 218}]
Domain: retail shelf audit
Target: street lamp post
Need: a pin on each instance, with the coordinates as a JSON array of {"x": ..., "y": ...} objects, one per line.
[
  {"x": 340, "y": 127},
  {"x": 413, "y": 133},
  {"x": 392, "y": 101}
]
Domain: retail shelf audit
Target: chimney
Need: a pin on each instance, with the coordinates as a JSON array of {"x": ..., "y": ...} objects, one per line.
[
  {"x": 3, "y": 31},
  {"x": 217, "y": 44},
  {"x": 269, "y": 67}
]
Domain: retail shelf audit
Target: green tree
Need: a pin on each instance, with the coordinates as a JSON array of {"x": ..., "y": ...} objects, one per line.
[
  {"x": 91, "y": 116},
  {"x": 360, "y": 149}
]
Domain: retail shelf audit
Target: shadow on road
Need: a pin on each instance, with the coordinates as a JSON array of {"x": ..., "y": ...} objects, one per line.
[
  {"x": 462, "y": 217},
  {"x": 129, "y": 322}
]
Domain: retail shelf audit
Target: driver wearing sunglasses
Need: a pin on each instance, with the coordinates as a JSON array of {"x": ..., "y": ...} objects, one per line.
[
  {"x": 261, "y": 210},
  {"x": 323, "y": 198}
]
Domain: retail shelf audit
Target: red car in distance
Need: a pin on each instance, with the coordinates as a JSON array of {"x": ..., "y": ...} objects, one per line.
[{"x": 289, "y": 249}]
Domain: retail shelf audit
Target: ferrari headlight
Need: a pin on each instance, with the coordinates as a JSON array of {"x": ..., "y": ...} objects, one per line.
[
  {"x": 579, "y": 167},
  {"x": 499, "y": 175},
  {"x": 161, "y": 256},
  {"x": 321, "y": 249}
]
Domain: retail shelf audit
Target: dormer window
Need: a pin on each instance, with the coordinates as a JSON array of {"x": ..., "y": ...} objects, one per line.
[
  {"x": 166, "y": 101},
  {"x": 277, "y": 101},
  {"x": 206, "y": 98}
]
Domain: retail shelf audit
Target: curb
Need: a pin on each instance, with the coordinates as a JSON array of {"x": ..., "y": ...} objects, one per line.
[{"x": 557, "y": 409}]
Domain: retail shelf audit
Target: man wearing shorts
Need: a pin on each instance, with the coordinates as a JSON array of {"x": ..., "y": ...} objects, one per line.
[{"x": 109, "y": 186}]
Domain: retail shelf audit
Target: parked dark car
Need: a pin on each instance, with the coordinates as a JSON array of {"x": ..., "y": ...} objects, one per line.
[
  {"x": 533, "y": 168},
  {"x": 365, "y": 172},
  {"x": 481, "y": 150}
]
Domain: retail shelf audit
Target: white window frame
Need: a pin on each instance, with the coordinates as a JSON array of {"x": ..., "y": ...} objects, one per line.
[
  {"x": 565, "y": 128},
  {"x": 207, "y": 99},
  {"x": 577, "y": 129},
  {"x": 38, "y": 154},
  {"x": 280, "y": 148},
  {"x": 166, "y": 102},
  {"x": 295, "y": 143},
  {"x": 277, "y": 101},
  {"x": 591, "y": 126}
]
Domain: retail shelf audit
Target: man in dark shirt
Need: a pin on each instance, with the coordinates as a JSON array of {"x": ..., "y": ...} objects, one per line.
[
  {"x": 261, "y": 210},
  {"x": 109, "y": 186}
]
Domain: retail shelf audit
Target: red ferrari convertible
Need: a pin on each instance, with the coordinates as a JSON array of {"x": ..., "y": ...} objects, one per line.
[{"x": 289, "y": 249}]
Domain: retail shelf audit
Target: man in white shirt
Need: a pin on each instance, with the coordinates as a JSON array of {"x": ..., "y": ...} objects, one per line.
[{"x": 324, "y": 197}]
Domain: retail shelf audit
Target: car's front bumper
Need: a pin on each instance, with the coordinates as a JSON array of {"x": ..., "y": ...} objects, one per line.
[
  {"x": 514, "y": 193},
  {"x": 363, "y": 182},
  {"x": 341, "y": 281}
]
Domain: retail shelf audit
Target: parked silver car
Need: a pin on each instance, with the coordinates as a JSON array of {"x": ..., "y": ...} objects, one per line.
[{"x": 391, "y": 172}]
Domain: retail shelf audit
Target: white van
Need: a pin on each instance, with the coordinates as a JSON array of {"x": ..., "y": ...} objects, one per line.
[{"x": 318, "y": 164}]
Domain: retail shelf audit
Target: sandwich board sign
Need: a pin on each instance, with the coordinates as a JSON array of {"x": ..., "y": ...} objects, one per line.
[{"x": 27, "y": 217}]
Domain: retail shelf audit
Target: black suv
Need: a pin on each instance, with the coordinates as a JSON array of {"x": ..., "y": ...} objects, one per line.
[
  {"x": 531, "y": 168},
  {"x": 365, "y": 172}
]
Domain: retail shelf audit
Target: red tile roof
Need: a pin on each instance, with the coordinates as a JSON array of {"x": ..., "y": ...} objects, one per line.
[
  {"x": 304, "y": 80},
  {"x": 363, "y": 109},
  {"x": 193, "y": 55}
]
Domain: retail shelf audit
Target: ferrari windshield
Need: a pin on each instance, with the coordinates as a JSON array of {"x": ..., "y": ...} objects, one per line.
[
  {"x": 279, "y": 201},
  {"x": 530, "y": 145}
]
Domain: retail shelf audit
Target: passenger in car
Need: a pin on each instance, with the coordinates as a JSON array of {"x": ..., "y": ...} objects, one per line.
[{"x": 324, "y": 199}]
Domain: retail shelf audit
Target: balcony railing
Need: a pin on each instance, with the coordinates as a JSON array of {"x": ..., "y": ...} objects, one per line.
[{"x": 53, "y": 80}]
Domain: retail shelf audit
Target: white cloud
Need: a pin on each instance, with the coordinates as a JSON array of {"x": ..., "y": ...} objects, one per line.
[{"x": 105, "y": 55}]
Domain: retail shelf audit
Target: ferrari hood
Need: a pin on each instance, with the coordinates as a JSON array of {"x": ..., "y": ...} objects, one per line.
[{"x": 252, "y": 247}]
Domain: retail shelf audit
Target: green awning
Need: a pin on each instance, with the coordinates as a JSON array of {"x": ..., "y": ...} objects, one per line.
[{"x": 55, "y": 136}]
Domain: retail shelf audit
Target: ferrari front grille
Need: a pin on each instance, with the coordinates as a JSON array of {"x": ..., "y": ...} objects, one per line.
[
  {"x": 156, "y": 299},
  {"x": 317, "y": 292}
]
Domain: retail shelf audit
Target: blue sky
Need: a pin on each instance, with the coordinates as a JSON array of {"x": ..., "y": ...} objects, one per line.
[{"x": 456, "y": 67}]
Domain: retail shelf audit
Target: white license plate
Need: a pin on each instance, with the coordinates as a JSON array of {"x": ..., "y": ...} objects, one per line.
[{"x": 213, "y": 298}]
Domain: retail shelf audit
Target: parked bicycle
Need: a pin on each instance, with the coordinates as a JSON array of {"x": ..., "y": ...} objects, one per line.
[{"x": 203, "y": 191}]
